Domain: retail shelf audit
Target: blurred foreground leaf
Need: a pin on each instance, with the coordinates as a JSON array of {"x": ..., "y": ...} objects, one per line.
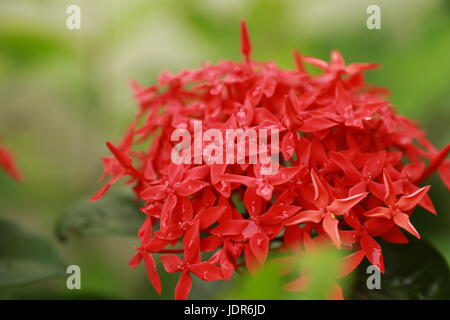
[
  {"x": 322, "y": 266},
  {"x": 26, "y": 258},
  {"x": 265, "y": 285},
  {"x": 112, "y": 215},
  {"x": 413, "y": 271}
]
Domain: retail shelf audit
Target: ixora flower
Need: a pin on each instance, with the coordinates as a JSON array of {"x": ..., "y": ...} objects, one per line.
[
  {"x": 350, "y": 168},
  {"x": 7, "y": 164}
]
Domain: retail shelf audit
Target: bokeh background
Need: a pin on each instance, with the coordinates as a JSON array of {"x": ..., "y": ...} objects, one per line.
[{"x": 63, "y": 93}]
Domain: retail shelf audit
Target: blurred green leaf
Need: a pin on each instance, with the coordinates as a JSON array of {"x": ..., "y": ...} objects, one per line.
[
  {"x": 321, "y": 266},
  {"x": 112, "y": 215},
  {"x": 23, "y": 47},
  {"x": 26, "y": 258},
  {"x": 265, "y": 285},
  {"x": 413, "y": 271},
  {"x": 238, "y": 203}
]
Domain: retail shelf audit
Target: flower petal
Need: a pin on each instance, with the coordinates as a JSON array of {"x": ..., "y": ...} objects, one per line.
[
  {"x": 410, "y": 201},
  {"x": 321, "y": 197},
  {"x": 350, "y": 262},
  {"x": 259, "y": 244},
  {"x": 305, "y": 216},
  {"x": 341, "y": 206},
  {"x": 284, "y": 175},
  {"x": 402, "y": 220},
  {"x": 278, "y": 214},
  {"x": 171, "y": 263},
  {"x": 191, "y": 244},
  {"x": 252, "y": 202},
  {"x": 184, "y": 286},
  {"x": 372, "y": 251},
  {"x": 210, "y": 215},
  {"x": 135, "y": 260},
  {"x": 154, "y": 193},
  {"x": 374, "y": 165},
  {"x": 7, "y": 163},
  {"x": 379, "y": 212},
  {"x": 105, "y": 188},
  {"x": 250, "y": 260},
  {"x": 314, "y": 124},
  {"x": 188, "y": 188},
  {"x": 167, "y": 209},
  {"x": 230, "y": 228},
  {"x": 234, "y": 178},
  {"x": 389, "y": 194},
  {"x": 246, "y": 47},
  {"x": 413, "y": 170},
  {"x": 288, "y": 146},
  {"x": 152, "y": 274},
  {"x": 346, "y": 165},
  {"x": 330, "y": 225},
  {"x": 206, "y": 271}
]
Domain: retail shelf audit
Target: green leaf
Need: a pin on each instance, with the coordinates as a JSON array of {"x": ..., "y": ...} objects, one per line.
[
  {"x": 238, "y": 203},
  {"x": 265, "y": 285},
  {"x": 322, "y": 267},
  {"x": 413, "y": 271},
  {"x": 26, "y": 258},
  {"x": 111, "y": 215}
]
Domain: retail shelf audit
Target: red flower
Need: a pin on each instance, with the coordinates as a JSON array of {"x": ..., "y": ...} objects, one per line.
[
  {"x": 397, "y": 208},
  {"x": 7, "y": 164},
  {"x": 171, "y": 188},
  {"x": 350, "y": 168},
  {"x": 150, "y": 267},
  {"x": 363, "y": 235},
  {"x": 326, "y": 211},
  {"x": 191, "y": 264}
]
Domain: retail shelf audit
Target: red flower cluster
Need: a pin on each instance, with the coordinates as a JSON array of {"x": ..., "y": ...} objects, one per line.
[
  {"x": 7, "y": 164},
  {"x": 350, "y": 167}
]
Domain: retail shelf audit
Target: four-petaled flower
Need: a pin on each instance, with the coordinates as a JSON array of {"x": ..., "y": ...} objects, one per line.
[
  {"x": 326, "y": 211},
  {"x": 191, "y": 264},
  {"x": 397, "y": 208},
  {"x": 178, "y": 184}
]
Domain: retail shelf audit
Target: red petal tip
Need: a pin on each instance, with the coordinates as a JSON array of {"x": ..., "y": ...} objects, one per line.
[{"x": 246, "y": 46}]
